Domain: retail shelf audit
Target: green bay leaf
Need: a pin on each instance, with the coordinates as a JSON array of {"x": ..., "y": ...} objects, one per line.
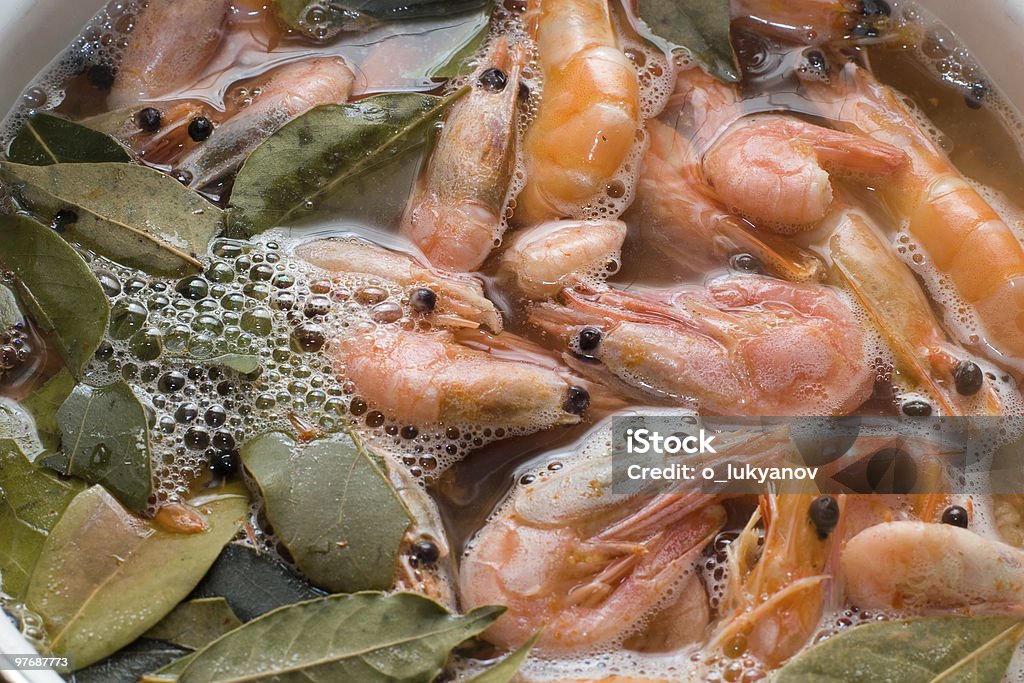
[
  {"x": 700, "y": 26},
  {"x": 316, "y": 154},
  {"x": 31, "y": 502},
  {"x": 923, "y": 650},
  {"x": 105, "y": 576},
  {"x": 10, "y": 313},
  {"x": 505, "y": 670},
  {"x": 360, "y": 637},
  {"x": 43, "y": 404},
  {"x": 131, "y": 663},
  {"x": 333, "y": 507},
  {"x": 253, "y": 584},
  {"x": 56, "y": 288},
  {"x": 47, "y": 139},
  {"x": 335, "y": 16},
  {"x": 129, "y": 213},
  {"x": 196, "y": 623},
  {"x": 105, "y": 440}
]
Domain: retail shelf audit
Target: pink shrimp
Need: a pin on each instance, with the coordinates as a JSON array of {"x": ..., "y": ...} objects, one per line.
[
  {"x": 430, "y": 379},
  {"x": 743, "y": 345},
  {"x": 455, "y": 216},
  {"x": 172, "y": 40},
  {"x": 589, "y": 112},
  {"x": 677, "y": 212},
  {"x": 775, "y": 169},
  {"x": 964, "y": 238}
]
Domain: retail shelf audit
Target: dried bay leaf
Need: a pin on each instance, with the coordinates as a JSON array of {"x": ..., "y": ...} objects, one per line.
[
  {"x": 43, "y": 404},
  {"x": 505, "y": 670},
  {"x": 313, "y": 156},
  {"x": 923, "y": 650},
  {"x": 105, "y": 440},
  {"x": 361, "y": 637},
  {"x": 105, "y": 576},
  {"x": 47, "y": 139},
  {"x": 333, "y": 507},
  {"x": 132, "y": 214},
  {"x": 31, "y": 502},
  {"x": 335, "y": 16},
  {"x": 253, "y": 584},
  {"x": 700, "y": 26},
  {"x": 131, "y": 663},
  {"x": 196, "y": 623},
  {"x": 56, "y": 288}
]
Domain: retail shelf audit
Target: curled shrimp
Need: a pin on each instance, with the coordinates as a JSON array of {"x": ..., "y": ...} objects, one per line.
[
  {"x": 589, "y": 112},
  {"x": 964, "y": 238},
  {"x": 171, "y": 41},
  {"x": 744, "y": 345},
  {"x": 891, "y": 295},
  {"x": 775, "y": 169},
  {"x": 932, "y": 567},
  {"x": 429, "y": 379},
  {"x": 677, "y": 213},
  {"x": 444, "y": 299},
  {"x": 552, "y": 256},
  {"x": 814, "y": 21},
  {"x": 776, "y": 593},
  {"x": 455, "y": 217},
  {"x": 285, "y": 92}
]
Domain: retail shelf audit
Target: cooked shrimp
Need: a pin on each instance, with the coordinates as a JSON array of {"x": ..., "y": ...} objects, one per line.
[
  {"x": 567, "y": 554},
  {"x": 814, "y": 21},
  {"x": 932, "y": 567},
  {"x": 446, "y": 299},
  {"x": 775, "y": 169},
  {"x": 172, "y": 40},
  {"x": 552, "y": 256},
  {"x": 429, "y": 379},
  {"x": 676, "y": 212},
  {"x": 887, "y": 289},
  {"x": 743, "y": 345},
  {"x": 589, "y": 112},
  {"x": 455, "y": 217},
  {"x": 284, "y": 93},
  {"x": 776, "y": 602},
  {"x": 964, "y": 238}
]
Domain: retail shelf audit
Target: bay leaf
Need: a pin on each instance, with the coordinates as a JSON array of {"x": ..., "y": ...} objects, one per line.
[
  {"x": 17, "y": 425},
  {"x": 239, "y": 362},
  {"x": 700, "y": 26},
  {"x": 196, "y": 623},
  {"x": 47, "y": 139},
  {"x": 170, "y": 671},
  {"x": 105, "y": 576},
  {"x": 130, "y": 663},
  {"x": 132, "y": 214},
  {"x": 336, "y": 16},
  {"x": 360, "y": 637},
  {"x": 332, "y": 506},
  {"x": 105, "y": 440},
  {"x": 43, "y": 404},
  {"x": 458, "y": 64},
  {"x": 505, "y": 670},
  {"x": 10, "y": 313},
  {"x": 56, "y": 288},
  {"x": 923, "y": 650},
  {"x": 311, "y": 157},
  {"x": 31, "y": 502},
  {"x": 251, "y": 583}
]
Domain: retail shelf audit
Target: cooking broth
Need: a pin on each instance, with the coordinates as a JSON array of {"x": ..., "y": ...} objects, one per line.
[{"x": 256, "y": 297}]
